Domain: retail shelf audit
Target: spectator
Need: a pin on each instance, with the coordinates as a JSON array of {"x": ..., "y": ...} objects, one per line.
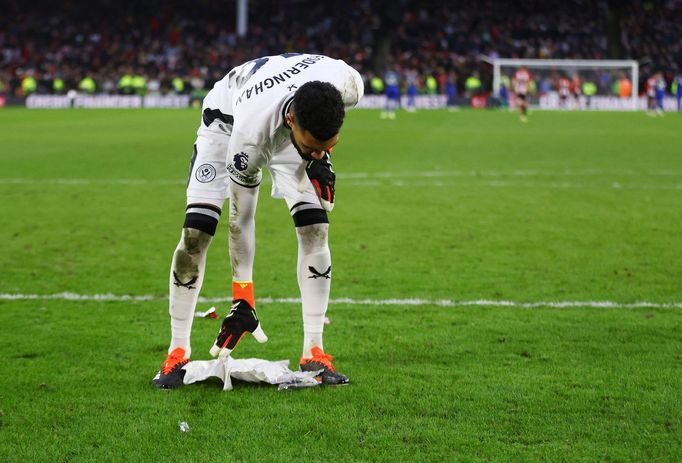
[
  {"x": 174, "y": 37},
  {"x": 473, "y": 84},
  {"x": 87, "y": 85}
]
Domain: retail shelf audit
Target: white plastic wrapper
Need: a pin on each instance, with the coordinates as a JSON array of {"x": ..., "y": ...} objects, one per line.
[
  {"x": 251, "y": 370},
  {"x": 210, "y": 313}
]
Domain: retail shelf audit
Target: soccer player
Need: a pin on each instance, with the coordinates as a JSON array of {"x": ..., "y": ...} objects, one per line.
[
  {"x": 392, "y": 82},
  {"x": 284, "y": 113},
  {"x": 564, "y": 87},
  {"x": 624, "y": 86},
  {"x": 451, "y": 91},
  {"x": 677, "y": 90},
  {"x": 576, "y": 88},
  {"x": 651, "y": 94},
  {"x": 411, "y": 80},
  {"x": 521, "y": 83},
  {"x": 659, "y": 92}
]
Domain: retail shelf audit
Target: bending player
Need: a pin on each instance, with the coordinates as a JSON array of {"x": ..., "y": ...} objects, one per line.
[{"x": 284, "y": 113}]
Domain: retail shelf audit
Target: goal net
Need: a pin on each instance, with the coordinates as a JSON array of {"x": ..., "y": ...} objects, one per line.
[{"x": 570, "y": 84}]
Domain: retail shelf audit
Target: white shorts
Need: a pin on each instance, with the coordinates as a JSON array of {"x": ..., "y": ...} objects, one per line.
[{"x": 209, "y": 180}]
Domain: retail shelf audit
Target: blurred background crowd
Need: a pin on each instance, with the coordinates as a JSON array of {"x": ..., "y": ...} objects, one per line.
[{"x": 183, "y": 47}]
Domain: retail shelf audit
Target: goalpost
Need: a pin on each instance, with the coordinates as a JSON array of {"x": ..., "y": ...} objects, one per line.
[{"x": 603, "y": 71}]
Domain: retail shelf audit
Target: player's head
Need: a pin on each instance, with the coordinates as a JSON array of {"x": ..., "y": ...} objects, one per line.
[{"x": 315, "y": 118}]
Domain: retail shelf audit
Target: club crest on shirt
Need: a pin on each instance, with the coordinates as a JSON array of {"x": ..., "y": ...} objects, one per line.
[
  {"x": 205, "y": 173},
  {"x": 241, "y": 161}
]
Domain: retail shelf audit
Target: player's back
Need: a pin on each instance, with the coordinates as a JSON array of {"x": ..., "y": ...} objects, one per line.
[
  {"x": 256, "y": 92},
  {"x": 272, "y": 76}
]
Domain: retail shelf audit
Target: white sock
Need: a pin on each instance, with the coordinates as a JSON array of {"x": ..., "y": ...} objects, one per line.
[
  {"x": 186, "y": 278},
  {"x": 243, "y": 202},
  {"x": 314, "y": 281}
]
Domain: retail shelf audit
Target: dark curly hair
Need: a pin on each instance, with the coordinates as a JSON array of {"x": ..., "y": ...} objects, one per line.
[{"x": 318, "y": 108}]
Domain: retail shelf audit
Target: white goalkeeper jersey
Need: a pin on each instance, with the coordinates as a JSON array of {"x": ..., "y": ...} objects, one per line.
[{"x": 250, "y": 104}]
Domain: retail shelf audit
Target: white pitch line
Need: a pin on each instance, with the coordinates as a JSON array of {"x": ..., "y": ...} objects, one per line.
[
  {"x": 512, "y": 173},
  {"x": 476, "y": 174},
  {"x": 88, "y": 181},
  {"x": 376, "y": 181},
  {"x": 512, "y": 184},
  {"x": 353, "y": 301}
]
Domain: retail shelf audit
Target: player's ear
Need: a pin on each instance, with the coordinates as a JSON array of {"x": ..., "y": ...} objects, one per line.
[{"x": 290, "y": 119}]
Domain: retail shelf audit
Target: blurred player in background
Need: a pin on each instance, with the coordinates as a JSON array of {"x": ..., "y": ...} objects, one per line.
[
  {"x": 521, "y": 83},
  {"x": 677, "y": 90},
  {"x": 655, "y": 91},
  {"x": 624, "y": 87},
  {"x": 651, "y": 94},
  {"x": 411, "y": 79},
  {"x": 659, "y": 93},
  {"x": 451, "y": 91},
  {"x": 392, "y": 83},
  {"x": 576, "y": 89},
  {"x": 284, "y": 113},
  {"x": 505, "y": 86},
  {"x": 564, "y": 89}
]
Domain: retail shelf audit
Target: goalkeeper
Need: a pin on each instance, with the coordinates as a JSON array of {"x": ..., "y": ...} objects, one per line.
[{"x": 284, "y": 113}]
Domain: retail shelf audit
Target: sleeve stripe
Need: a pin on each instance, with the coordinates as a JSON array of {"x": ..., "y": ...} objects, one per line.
[{"x": 210, "y": 115}]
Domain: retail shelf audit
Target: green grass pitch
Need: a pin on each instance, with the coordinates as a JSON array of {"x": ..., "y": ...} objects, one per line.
[{"x": 462, "y": 207}]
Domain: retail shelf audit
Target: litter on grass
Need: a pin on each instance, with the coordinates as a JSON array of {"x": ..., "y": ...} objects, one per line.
[
  {"x": 250, "y": 370},
  {"x": 210, "y": 313}
]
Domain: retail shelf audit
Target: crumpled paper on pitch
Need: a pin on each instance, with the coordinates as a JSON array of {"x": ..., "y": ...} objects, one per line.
[{"x": 251, "y": 370}]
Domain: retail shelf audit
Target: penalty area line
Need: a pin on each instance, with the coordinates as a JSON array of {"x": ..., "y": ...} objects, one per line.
[{"x": 352, "y": 301}]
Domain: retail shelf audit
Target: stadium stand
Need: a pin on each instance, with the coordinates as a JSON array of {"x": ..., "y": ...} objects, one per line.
[{"x": 181, "y": 46}]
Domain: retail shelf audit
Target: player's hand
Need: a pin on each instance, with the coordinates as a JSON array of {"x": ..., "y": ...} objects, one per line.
[
  {"x": 242, "y": 319},
  {"x": 323, "y": 178}
]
